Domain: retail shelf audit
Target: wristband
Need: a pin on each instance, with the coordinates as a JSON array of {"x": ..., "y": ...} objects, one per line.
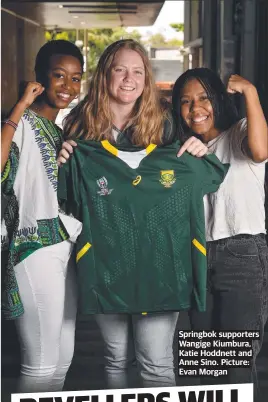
[{"x": 11, "y": 123}]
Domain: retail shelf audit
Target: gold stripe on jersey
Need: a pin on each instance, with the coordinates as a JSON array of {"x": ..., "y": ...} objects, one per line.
[
  {"x": 199, "y": 246},
  {"x": 82, "y": 251},
  {"x": 109, "y": 147},
  {"x": 113, "y": 150}
]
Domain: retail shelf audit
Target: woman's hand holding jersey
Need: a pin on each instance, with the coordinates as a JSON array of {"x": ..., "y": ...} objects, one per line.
[
  {"x": 194, "y": 146},
  {"x": 66, "y": 151}
]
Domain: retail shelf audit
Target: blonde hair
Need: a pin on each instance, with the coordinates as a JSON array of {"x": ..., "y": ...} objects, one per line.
[{"x": 92, "y": 119}]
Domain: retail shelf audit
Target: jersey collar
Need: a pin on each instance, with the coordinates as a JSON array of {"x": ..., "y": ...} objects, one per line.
[{"x": 114, "y": 151}]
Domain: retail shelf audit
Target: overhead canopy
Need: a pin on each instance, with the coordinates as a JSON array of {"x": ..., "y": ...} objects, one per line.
[{"x": 80, "y": 15}]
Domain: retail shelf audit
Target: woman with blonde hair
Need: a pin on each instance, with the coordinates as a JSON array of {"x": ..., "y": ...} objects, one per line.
[
  {"x": 111, "y": 108},
  {"x": 123, "y": 120}
]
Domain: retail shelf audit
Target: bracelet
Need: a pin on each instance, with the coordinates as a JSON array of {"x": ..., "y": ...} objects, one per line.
[{"x": 11, "y": 123}]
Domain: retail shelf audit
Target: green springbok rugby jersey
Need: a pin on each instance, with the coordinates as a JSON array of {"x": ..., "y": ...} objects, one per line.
[{"x": 142, "y": 246}]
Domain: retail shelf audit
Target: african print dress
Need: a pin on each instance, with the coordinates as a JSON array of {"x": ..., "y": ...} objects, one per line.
[{"x": 30, "y": 215}]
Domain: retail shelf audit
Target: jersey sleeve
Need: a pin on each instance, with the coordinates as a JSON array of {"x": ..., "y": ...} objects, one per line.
[
  {"x": 69, "y": 188},
  {"x": 198, "y": 249},
  {"x": 10, "y": 170},
  {"x": 211, "y": 173}
]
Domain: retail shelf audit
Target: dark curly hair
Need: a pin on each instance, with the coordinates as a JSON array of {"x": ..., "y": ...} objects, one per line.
[
  {"x": 61, "y": 47},
  {"x": 225, "y": 112}
]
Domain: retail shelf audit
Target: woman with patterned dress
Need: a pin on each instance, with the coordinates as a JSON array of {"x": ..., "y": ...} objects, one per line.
[{"x": 39, "y": 284}]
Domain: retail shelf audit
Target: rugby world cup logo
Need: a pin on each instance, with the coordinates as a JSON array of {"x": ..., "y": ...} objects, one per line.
[{"x": 103, "y": 185}]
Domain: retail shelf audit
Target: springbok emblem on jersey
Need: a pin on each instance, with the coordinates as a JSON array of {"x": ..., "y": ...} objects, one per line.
[
  {"x": 167, "y": 178},
  {"x": 103, "y": 185}
]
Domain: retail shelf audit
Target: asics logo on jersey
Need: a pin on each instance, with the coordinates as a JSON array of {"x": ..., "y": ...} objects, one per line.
[
  {"x": 103, "y": 185},
  {"x": 167, "y": 178},
  {"x": 136, "y": 181}
]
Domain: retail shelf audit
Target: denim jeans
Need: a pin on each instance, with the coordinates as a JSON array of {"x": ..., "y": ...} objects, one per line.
[
  {"x": 237, "y": 295},
  {"x": 144, "y": 339}
]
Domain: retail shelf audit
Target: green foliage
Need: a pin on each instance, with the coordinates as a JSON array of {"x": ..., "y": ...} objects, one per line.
[
  {"x": 72, "y": 36},
  {"x": 48, "y": 36},
  {"x": 158, "y": 40},
  {"x": 62, "y": 35},
  {"x": 174, "y": 42},
  {"x": 178, "y": 27},
  {"x": 99, "y": 39},
  {"x": 66, "y": 35}
]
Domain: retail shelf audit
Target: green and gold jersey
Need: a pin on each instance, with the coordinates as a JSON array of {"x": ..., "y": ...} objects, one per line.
[{"x": 142, "y": 247}]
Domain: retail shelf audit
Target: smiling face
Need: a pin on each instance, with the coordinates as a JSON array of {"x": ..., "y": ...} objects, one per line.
[
  {"x": 197, "y": 111},
  {"x": 64, "y": 80},
  {"x": 126, "y": 77}
]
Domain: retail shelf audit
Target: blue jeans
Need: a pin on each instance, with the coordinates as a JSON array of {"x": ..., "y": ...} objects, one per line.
[
  {"x": 144, "y": 339},
  {"x": 237, "y": 296}
]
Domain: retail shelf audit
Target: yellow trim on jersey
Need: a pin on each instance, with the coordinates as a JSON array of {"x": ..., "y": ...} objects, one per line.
[
  {"x": 113, "y": 150},
  {"x": 82, "y": 251},
  {"x": 199, "y": 246},
  {"x": 150, "y": 148},
  {"x": 109, "y": 147}
]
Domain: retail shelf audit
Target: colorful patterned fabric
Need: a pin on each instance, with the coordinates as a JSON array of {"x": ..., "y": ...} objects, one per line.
[{"x": 30, "y": 216}]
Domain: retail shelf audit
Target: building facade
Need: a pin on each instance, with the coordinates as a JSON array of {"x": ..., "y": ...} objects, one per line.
[
  {"x": 229, "y": 37},
  {"x": 24, "y": 23}
]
